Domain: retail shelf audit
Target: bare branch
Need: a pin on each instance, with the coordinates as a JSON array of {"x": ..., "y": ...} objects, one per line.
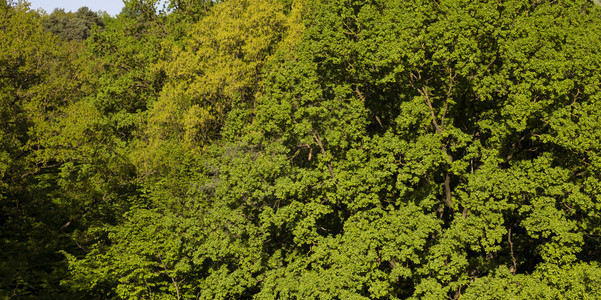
[{"x": 515, "y": 263}]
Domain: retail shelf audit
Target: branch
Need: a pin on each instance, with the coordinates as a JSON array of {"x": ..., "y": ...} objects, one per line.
[
  {"x": 38, "y": 169},
  {"x": 447, "y": 190},
  {"x": 323, "y": 152},
  {"x": 149, "y": 289},
  {"x": 424, "y": 93},
  {"x": 440, "y": 128},
  {"x": 172, "y": 279},
  {"x": 449, "y": 91},
  {"x": 515, "y": 264}
]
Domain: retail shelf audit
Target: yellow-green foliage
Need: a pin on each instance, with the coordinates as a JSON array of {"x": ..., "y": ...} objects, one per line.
[
  {"x": 348, "y": 149},
  {"x": 219, "y": 64}
]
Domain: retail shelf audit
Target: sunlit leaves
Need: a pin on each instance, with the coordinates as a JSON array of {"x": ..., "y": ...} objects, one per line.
[{"x": 322, "y": 149}]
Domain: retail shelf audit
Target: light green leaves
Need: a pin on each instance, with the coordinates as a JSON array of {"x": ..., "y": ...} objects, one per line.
[{"x": 323, "y": 149}]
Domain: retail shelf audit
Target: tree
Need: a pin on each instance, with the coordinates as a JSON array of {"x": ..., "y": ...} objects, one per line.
[
  {"x": 459, "y": 100},
  {"x": 357, "y": 149},
  {"x": 37, "y": 77},
  {"x": 73, "y": 26},
  {"x": 169, "y": 154}
]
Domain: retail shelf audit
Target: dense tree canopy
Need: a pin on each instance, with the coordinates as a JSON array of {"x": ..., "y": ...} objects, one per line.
[
  {"x": 73, "y": 26},
  {"x": 309, "y": 149}
]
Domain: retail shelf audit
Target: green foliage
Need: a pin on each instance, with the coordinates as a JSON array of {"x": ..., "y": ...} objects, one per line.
[
  {"x": 217, "y": 67},
  {"x": 36, "y": 79},
  {"x": 319, "y": 149},
  {"x": 73, "y": 26},
  {"x": 549, "y": 282}
]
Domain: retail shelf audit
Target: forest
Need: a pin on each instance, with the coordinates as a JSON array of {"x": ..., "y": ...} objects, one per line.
[{"x": 301, "y": 149}]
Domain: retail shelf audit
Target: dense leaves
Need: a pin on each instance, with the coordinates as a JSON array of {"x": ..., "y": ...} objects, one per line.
[
  {"x": 318, "y": 149},
  {"x": 73, "y": 26},
  {"x": 36, "y": 81}
]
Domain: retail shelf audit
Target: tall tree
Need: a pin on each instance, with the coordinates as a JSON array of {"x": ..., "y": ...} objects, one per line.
[
  {"x": 73, "y": 26},
  {"x": 38, "y": 80}
]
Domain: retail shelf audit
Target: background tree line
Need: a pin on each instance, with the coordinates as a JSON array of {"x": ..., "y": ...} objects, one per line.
[{"x": 309, "y": 149}]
